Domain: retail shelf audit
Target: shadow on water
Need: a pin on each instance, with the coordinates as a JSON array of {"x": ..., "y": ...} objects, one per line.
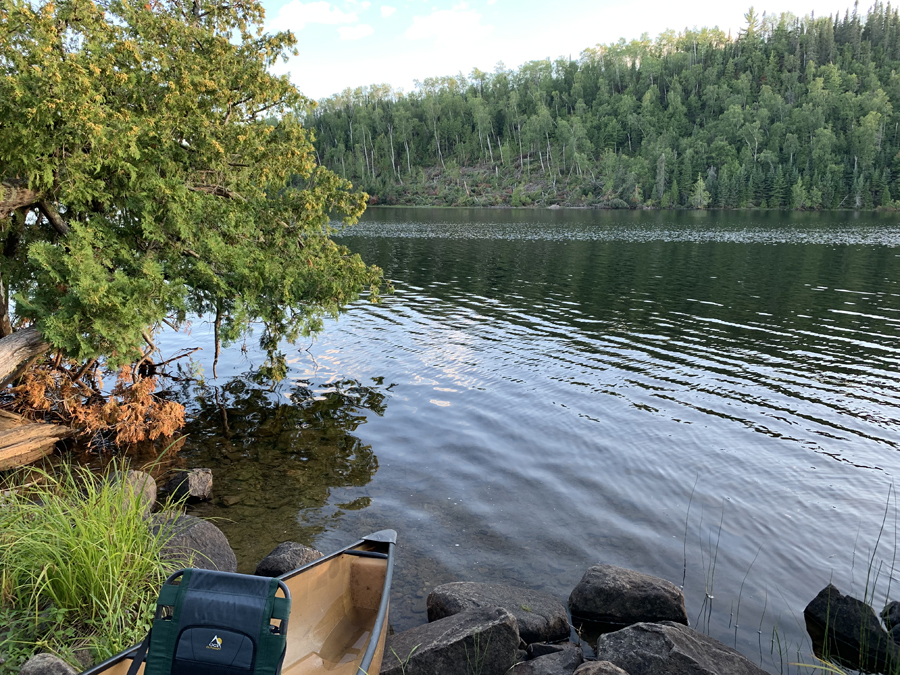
[{"x": 277, "y": 457}]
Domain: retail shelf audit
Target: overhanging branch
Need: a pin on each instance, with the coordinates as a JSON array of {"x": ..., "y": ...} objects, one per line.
[{"x": 50, "y": 214}]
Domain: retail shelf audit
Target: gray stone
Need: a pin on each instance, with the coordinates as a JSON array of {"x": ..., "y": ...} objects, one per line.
[
  {"x": 194, "y": 542},
  {"x": 670, "y": 648},
  {"x": 287, "y": 556},
  {"x": 540, "y": 616},
  {"x": 891, "y": 614},
  {"x": 895, "y": 633},
  {"x": 46, "y": 664},
  {"x": 847, "y": 630},
  {"x": 193, "y": 484},
  {"x": 478, "y": 640},
  {"x": 615, "y": 595},
  {"x": 599, "y": 668},
  {"x": 563, "y": 661},
  {"x": 140, "y": 484}
]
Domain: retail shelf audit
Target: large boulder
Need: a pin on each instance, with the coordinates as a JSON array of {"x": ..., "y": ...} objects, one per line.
[
  {"x": 46, "y": 664},
  {"x": 478, "y": 640},
  {"x": 287, "y": 556},
  {"x": 194, "y": 542},
  {"x": 848, "y": 630},
  {"x": 139, "y": 485},
  {"x": 615, "y": 595},
  {"x": 599, "y": 668},
  {"x": 193, "y": 484},
  {"x": 670, "y": 648},
  {"x": 539, "y": 616},
  {"x": 561, "y": 659}
]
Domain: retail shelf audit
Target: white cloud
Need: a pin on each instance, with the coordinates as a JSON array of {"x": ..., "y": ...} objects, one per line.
[
  {"x": 387, "y": 10},
  {"x": 449, "y": 25},
  {"x": 355, "y": 32},
  {"x": 295, "y": 15},
  {"x": 366, "y": 4}
]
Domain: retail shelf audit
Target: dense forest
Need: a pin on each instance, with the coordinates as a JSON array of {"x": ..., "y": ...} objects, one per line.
[{"x": 791, "y": 113}]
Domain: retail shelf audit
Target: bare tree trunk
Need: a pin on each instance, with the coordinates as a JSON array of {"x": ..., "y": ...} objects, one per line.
[
  {"x": 18, "y": 351},
  {"x": 14, "y": 195},
  {"x": 5, "y": 325}
]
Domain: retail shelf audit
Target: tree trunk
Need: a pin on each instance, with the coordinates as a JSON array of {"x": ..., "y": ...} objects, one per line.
[
  {"x": 5, "y": 324},
  {"x": 14, "y": 195},
  {"x": 18, "y": 351}
]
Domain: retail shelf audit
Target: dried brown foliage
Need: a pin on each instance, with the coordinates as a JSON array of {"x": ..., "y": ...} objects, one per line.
[{"x": 131, "y": 410}]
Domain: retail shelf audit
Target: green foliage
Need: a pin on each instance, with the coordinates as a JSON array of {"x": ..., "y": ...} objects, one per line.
[
  {"x": 700, "y": 195},
  {"x": 813, "y": 98},
  {"x": 170, "y": 172},
  {"x": 79, "y": 568}
]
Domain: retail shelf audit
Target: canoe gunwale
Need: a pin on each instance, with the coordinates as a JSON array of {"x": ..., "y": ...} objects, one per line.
[
  {"x": 381, "y": 617},
  {"x": 375, "y": 636}
]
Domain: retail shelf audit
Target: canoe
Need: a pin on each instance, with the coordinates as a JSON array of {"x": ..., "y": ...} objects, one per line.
[{"x": 339, "y": 609}]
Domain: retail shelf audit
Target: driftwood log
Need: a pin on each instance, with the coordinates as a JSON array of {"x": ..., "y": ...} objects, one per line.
[{"x": 23, "y": 442}]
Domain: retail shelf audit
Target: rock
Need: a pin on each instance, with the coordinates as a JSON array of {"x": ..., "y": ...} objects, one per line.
[
  {"x": 891, "y": 614},
  {"x": 287, "y": 556},
  {"x": 482, "y": 640},
  {"x": 193, "y": 484},
  {"x": 46, "y": 664},
  {"x": 141, "y": 484},
  {"x": 540, "y": 616},
  {"x": 599, "y": 668},
  {"x": 848, "y": 630},
  {"x": 615, "y": 595},
  {"x": 563, "y": 661},
  {"x": 194, "y": 541},
  {"x": 542, "y": 649},
  {"x": 895, "y": 633},
  {"x": 670, "y": 648}
]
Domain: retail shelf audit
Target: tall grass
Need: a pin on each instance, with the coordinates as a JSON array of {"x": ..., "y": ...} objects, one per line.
[{"x": 79, "y": 568}]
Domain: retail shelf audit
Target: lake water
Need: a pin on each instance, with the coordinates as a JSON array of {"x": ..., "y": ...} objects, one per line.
[{"x": 711, "y": 398}]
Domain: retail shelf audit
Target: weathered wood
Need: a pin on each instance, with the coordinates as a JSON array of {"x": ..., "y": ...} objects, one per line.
[
  {"x": 17, "y": 350},
  {"x": 27, "y": 443},
  {"x": 15, "y": 195},
  {"x": 9, "y": 420}
]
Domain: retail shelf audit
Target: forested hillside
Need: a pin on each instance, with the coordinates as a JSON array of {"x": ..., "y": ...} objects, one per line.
[{"x": 791, "y": 113}]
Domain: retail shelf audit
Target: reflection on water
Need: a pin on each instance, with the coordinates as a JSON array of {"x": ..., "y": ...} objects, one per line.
[
  {"x": 707, "y": 397},
  {"x": 278, "y": 453}
]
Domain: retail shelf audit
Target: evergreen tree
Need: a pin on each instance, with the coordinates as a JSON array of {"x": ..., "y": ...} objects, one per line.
[{"x": 699, "y": 195}]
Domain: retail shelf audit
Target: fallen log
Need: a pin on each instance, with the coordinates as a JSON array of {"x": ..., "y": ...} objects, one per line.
[{"x": 23, "y": 442}]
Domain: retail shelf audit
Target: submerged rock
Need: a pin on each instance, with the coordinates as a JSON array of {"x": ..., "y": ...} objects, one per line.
[
  {"x": 194, "y": 541},
  {"x": 478, "y": 640},
  {"x": 540, "y": 617},
  {"x": 193, "y": 484},
  {"x": 615, "y": 595},
  {"x": 46, "y": 664},
  {"x": 846, "y": 629},
  {"x": 287, "y": 556},
  {"x": 670, "y": 648}
]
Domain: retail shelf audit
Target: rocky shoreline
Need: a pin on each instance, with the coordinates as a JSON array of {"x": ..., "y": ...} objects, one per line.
[{"x": 495, "y": 629}]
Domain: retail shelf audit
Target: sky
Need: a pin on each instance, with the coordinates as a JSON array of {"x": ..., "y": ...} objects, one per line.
[{"x": 349, "y": 43}]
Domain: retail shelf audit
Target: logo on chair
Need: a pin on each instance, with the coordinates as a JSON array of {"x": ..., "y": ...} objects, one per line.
[{"x": 215, "y": 643}]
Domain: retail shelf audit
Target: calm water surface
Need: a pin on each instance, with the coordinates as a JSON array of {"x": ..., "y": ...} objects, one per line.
[{"x": 707, "y": 397}]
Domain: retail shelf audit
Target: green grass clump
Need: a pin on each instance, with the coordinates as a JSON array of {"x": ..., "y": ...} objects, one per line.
[{"x": 79, "y": 568}]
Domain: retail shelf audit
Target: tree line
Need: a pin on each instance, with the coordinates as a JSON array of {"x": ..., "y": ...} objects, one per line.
[{"x": 791, "y": 113}]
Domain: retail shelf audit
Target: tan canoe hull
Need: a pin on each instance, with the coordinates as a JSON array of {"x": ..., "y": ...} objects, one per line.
[{"x": 339, "y": 607}]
